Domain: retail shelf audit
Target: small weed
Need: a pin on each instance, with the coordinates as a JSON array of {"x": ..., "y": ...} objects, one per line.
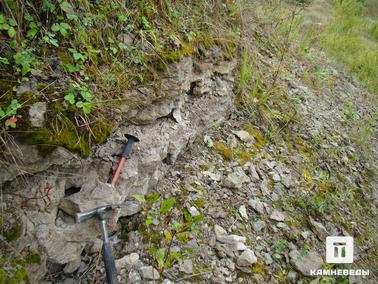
[{"x": 167, "y": 223}]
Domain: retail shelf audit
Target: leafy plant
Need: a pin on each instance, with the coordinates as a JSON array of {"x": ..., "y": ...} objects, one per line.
[
  {"x": 78, "y": 56},
  {"x": 25, "y": 60},
  {"x": 166, "y": 223},
  {"x": 84, "y": 101},
  {"x": 63, "y": 28},
  {"x": 8, "y": 25}
]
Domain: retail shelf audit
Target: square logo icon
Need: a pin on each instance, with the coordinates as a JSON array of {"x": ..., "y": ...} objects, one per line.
[{"x": 339, "y": 250}]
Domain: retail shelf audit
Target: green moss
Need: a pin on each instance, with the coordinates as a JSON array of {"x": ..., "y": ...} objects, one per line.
[
  {"x": 65, "y": 57},
  {"x": 258, "y": 268},
  {"x": 59, "y": 131},
  {"x": 200, "y": 202},
  {"x": 226, "y": 151},
  {"x": 170, "y": 55},
  {"x": 19, "y": 276},
  {"x": 5, "y": 86},
  {"x": 3, "y": 276},
  {"x": 13, "y": 233},
  {"x": 33, "y": 258},
  {"x": 205, "y": 167},
  {"x": 101, "y": 131},
  {"x": 259, "y": 138}
]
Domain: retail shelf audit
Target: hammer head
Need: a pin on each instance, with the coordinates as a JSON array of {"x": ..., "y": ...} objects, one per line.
[{"x": 97, "y": 212}]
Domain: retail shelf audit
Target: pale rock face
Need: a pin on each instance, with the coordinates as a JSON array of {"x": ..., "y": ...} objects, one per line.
[
  {"x": 304, "y": 263},
  {"x": 165, "y": 128},
  {"x": 277, "y": 216},
  {"x": 244, "y": 136},
  {"x": 236, "y": 179},
  {"x": 149, "y": 273},
  {"x": 37, "y": 114},
  {"x": 247, "y": 258}
]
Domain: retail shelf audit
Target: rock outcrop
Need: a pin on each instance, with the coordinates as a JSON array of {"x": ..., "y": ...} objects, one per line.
[{"x": 196, "y": 95}]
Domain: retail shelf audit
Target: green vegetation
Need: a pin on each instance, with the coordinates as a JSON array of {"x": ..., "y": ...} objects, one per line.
[
  {"x": 352, "y": 38},
  {"x": 80, "y": 58},
  {"x": 13, "y": 263},
  {"x": 166, "y": 223}
]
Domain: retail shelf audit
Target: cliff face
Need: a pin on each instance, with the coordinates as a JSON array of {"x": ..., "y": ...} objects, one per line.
[{"x": 199, "y": 95}]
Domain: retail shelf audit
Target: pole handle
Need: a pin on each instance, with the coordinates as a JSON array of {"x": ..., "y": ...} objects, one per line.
[{"x": 110, "y": 268}]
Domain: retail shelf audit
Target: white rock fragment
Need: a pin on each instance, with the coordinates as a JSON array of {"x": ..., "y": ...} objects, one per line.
[
  {"x": 127, "y": 261},
  {"x": 243, "y": 212},
  {"x": 37, "y": 114},
  {"x": 247, "y": 258},
  {"x": 304, "y": 263},
  {"x": 259, "y": 225},
  {"x": 213, "y": 176},
  {"x": 244, "y": 136},
  {"x": 277, "y": 216},
  {"x": 208, "y": 141},
  {"x": 149, "y": 273},
  {"x": 257, "y": 205},
  {"x": 219, "y": 231},
  {"x": 193, "y": 211},
  {"x": 187, "y": 267},
  {"x": 236, "y": 179},
  {"x": 233, "y": 242},
  {"x": 318, "y": 229}
]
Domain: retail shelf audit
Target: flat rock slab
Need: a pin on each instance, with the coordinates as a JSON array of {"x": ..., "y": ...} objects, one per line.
[
  {"x": 90, "y": 197},
  {"x": 305, "y": 262}
]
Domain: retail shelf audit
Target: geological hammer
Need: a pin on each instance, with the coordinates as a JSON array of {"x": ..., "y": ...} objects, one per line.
[{"x": 99, "y": 212}]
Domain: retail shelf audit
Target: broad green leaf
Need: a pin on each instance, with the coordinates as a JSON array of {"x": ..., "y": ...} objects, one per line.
[
  {"x": 72, "y": 17},
  {"x": 70, "y": 97},
  {"x": 25, "y": 69},
  {"x": 2, "y": 113},
  {"x": 55, "y": 27},
  {"x": 71, "y": 68},
  {"x": 87, "y": 108},
  {"x": 63, "y": 32},
  {"x": 160, "y": 255},
  {"x": 4, "y": 60},
  {"x": 176, "y": 226},
  {"x": 33, "y": 29},
  {"x": 187, "y": 216},
  {"x": 198, "y": 218},
  {"x": 175, "y": 257},
  {"x": 2, "y": 19},
  {"x": 65, "y": 6},
  {"x": 29, "y": 18},
  {"x": 12, "y": 22},
  {"x": 12, "y": 32},
  {"x": 167, "y": 205},
  {"x": 86, "y": 94},
  {"x": 65, "y": 26},
  {"x": 140, "y": 198},
  {"x": 54, "y": 42}
]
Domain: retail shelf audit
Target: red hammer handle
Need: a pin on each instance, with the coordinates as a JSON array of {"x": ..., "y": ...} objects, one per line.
[
  {"x": 118, "y": 170},
  {"x": 125, "y": 155}
]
